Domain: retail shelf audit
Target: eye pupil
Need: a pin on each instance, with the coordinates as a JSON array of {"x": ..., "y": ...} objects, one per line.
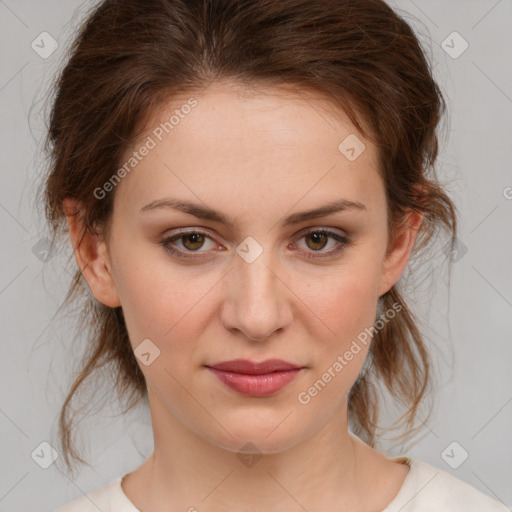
[
  {"x": 194, "y": 237},
  {"x": 317, "y": 238}
]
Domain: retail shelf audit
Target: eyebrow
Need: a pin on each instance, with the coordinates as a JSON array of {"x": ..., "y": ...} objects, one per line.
[{"x": 204, "y": 212}]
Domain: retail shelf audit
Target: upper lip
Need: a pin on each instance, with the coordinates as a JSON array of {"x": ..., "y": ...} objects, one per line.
[{"x": 253, "y": 367}]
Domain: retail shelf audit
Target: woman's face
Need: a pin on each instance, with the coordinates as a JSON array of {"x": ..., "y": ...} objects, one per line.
[{"x": 266, "y": 284}]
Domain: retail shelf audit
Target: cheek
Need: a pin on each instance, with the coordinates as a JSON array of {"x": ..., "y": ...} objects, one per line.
[
  {"x": 162, "y": 301},
  {"x": 346, "y": 311},
  {"x": 343, "y": 303},
  {"x": 344, "y": 308}
]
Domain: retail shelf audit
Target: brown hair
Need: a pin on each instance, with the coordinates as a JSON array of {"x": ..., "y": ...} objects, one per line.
[{"x": 132, "y": 56}]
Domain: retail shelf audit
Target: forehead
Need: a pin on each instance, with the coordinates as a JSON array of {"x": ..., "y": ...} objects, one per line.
[
  {"x": 252, "y": 143},
  {"x": 278, "y": 114}
]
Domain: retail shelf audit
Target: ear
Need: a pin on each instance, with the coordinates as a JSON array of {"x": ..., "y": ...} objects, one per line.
[
  {"x": 398, "y": 256},
  {"x": 91, "y": 256}
]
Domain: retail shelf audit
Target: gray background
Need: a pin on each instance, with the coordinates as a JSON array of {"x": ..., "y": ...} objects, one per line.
[{"x": 468, "y": 326}]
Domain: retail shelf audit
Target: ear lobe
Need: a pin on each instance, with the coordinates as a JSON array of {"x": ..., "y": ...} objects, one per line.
[
  {"x": 395, "y": 262},
  {"x": 91, "y": 256}
]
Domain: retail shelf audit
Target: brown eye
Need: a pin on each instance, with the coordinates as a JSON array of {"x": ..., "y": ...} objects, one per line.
[
  {"x": 192, "y": 241},
  {"x": 186, "y": 242},
  {"x": 319, "y": 240}
]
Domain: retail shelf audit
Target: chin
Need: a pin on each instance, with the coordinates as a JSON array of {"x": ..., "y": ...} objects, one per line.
[
  {"x": 275, "y": 435},
  {"x": 256, "y": 445}
]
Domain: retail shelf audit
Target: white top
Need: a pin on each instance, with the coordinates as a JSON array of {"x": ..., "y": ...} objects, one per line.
[{"x": 425, "y": 489}]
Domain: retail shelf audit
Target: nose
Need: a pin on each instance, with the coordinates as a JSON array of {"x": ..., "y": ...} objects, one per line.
[{"x": 257, "y": 301}]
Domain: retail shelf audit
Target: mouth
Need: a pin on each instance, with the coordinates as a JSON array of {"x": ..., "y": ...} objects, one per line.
[
  {"x": 256, "y": 379},
  {"x": 253, "y": 367}
]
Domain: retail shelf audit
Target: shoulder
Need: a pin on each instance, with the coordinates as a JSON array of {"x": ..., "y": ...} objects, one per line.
[
  {"x": 98, "y": 499},
  {"x": 429, "y": 489}
]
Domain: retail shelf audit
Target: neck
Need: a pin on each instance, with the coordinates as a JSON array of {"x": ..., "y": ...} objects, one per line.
[{"x": 324, "y": 471}]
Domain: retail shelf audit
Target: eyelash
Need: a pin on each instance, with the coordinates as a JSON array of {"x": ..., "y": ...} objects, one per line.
[{"x": 343, "y": 242}]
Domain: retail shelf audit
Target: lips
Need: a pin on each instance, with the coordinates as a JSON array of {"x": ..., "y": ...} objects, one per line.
[
  {"x": 255, "y": 379},
  {"x": 254, "y": 368}
]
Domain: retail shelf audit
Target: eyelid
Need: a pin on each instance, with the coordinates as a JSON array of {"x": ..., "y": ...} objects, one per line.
[
  {"x": 314, "y": 229},
  {"x": 301, "y": 233},
  {"x": 341, "y": 237}
]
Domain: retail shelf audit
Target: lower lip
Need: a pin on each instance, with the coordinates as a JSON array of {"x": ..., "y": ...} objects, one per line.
[{"x": 256, "y": 385}]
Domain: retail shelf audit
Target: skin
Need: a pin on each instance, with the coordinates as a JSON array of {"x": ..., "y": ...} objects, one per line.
[{"x": 256, "y": 156}]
